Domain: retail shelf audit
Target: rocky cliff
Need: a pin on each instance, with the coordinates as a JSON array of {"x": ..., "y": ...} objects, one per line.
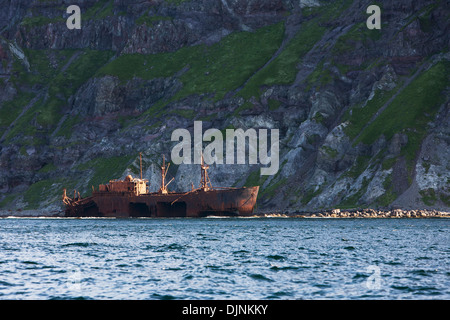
[{"x": 363, "y": 115}]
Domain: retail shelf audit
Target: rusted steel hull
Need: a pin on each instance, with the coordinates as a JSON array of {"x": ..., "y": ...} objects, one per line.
[{"x": 198, "y": 203}]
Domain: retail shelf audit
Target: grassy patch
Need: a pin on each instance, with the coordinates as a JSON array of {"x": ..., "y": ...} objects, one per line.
[
  {"x": 358, "y": 167},
  {"x": 255, "y": 179},
  {"x": 24, "y": 124},
  {"x": 360, "y": 116},
  {"x": 32, "y": 22},
  {"x": 429, "y": 196},
  {"x": 426, "y": 23},
  {"x": 185, "y": 113},
  {"x": 283, "y": 69},
  {"x": 42, "y": 116},
  {"x": 80, "y": 70},
  {"x": 411, "y": 111},
  {"x": 389, "y": 196},
  {"x": 146, "y": 67},
  {"x": 388, "y": 163},
  {"x": 37, "y": 192},
  {"x": 215, "y": 69},
  {"x": 445, "y": 199},
  {"x": 20, "y": 75},
  {"x": 318, "y": 118},
  {"x": 414, "y": 107},
  {"x": 352, "y": 201},
  {"x": 273, "y": 104},
  {"x": 67, "y": 125},
  {"x": 41, "y": 70},
  {"x": 10, "y": 110},
  {"x": 332, "y": 153},
  {"x": 49, "y": 112},
  {"x": 7, "y": 200},
  {"x": 359, "y": 33},
  {"x": 319, "y": 78},
  {"x": 154, "y": 111},
  {"x": 309, "y": 195},
  {"x": 98, "y": 10},
  {"x": 49, "y": 167},
  {"x": 247, "y": 105},
  {"x": 62, "y": 85},
  {"x": 107, "y": 11},
  {"x": 151, "y": 20},
  {"x": 106, "y": 169},
  {"x": 424, "y": 17},
  {"x": 426, "y": 165},
  {"x": 313, "y": 139},
  {"x": 176, "y": 2},
  {"x": 269, "y": 192}
]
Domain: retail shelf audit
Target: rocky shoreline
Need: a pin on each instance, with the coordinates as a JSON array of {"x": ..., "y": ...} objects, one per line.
[
  {"x": 334, "y": 213},
  {"x": 367, "y": 213}
]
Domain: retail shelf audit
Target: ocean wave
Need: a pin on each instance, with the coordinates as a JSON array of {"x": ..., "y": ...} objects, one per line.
[{"x": 79, "y": 244}]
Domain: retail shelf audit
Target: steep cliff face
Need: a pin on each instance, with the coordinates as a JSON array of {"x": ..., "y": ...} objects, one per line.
[{"x": 363, "y": 114}]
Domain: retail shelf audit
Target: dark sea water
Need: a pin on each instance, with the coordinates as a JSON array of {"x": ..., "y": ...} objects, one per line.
[{"x": 224, "y": 258}]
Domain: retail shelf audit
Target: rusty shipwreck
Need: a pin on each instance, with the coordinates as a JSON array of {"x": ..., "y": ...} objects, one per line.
[{"x": 131, "y": 198}]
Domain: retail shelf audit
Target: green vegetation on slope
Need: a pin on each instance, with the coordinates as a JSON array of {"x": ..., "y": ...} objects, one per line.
[
  {"x": 36, "y": 192},
  {"x": 351, "y": 201},
  {"x": 411, "y": 110},
  {"x": 361, "y": 115},
  {"x": 283, "y": 69},
  {"x": 32, "y": 22},
  {"x": 100, "y": 10},
  {"x": 46, "y": 112},
  {"x": 215, "y": 69},
  {"x": 255, "y": 179},
  {"x": 10, "y": 110},
  {"x": 149, "y": 21},
  {"x": 105, "y": 169},
  {"x": 67, "y": 125},
  {"x": 429, "y": 196},
  {"x": 389, "y": 194},
  {"x": 359, "y": 33},
  {"x": 42, "y": 71},
  {"x": 78, "y": 72},
  {"x": 319, "y": 77}
]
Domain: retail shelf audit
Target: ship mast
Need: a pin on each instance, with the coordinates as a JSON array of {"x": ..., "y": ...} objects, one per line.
[
  {"x": 164, "y": 171},
  {"x": 205, "y": 183},
  {"x": 140, "y": 160}
]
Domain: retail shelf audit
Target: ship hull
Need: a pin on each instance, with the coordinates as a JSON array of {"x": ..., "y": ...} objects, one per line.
[{"x": 198, "y": 203}]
